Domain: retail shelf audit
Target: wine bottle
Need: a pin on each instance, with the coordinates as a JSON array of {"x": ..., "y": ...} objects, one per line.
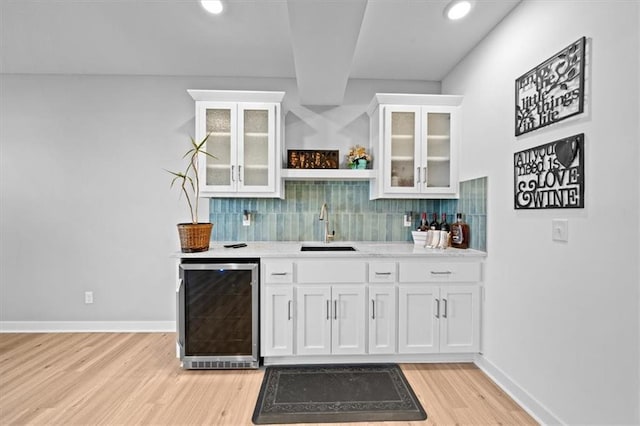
[
  {"x": 444, "y": 225},
  {"x": 459, "y": 233},
  {"x": 435, "y": 225},
  {"x": 424, "y": 225}
]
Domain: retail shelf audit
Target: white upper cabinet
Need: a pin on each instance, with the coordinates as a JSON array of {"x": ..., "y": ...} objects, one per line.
[
  {"x": 245, "y": 131},
  {"x": 415, "y": 141}
]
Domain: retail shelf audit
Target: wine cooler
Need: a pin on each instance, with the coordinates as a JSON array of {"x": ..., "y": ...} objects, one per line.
[{"x": 218, "y": 314}]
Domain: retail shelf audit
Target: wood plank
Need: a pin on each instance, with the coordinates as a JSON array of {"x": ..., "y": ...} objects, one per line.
[{"x": 135, "y": 379}]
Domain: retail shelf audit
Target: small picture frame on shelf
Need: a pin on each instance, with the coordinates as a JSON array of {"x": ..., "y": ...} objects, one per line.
[{"x": 312, "y": 159}]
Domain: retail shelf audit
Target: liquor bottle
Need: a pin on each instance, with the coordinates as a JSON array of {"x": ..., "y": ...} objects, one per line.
[
  {"x": 435, "y": 225},
  {"x": 424, "y": 225},
  {"x": 459, "y": 233},
  {"x": 444, "y": 225}
]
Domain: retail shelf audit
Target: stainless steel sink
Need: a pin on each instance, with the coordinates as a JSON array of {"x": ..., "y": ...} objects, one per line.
[{"x": 327, "y": 248}]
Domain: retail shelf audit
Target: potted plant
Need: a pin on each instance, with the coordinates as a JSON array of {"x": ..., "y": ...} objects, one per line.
[
  {"x": 194, "y": 236},
  {"x": 357, "y": 157}
]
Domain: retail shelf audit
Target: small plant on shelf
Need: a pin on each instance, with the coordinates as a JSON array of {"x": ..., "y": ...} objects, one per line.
[{"x": 357, "y": 158}]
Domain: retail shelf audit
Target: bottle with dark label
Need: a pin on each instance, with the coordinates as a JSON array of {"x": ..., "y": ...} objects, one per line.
[
  {"x": 435, "y": 225},
  {"x": 424, "y": 225},
  {"x": 459, "y": 233},
  {"x": 444, "y": 225}
]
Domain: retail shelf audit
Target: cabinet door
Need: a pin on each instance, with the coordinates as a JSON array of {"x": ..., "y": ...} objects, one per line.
[
  {"x": 348, "y": 326},
  {"x": 402, "y": 150},
  {"x": 219, "y": 121},
  {"x": 278, "y": 330},
  {"x": 459, "y": 318},
  {"x": 438, "y": 150},
  {"x": 382, "y": 319},
  {"x": 313, "y": 320},
  {"x": 418, "y": 314},
  {"x": 256, "y": 147}
]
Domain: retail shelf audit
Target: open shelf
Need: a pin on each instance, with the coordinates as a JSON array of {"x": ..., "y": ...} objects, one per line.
[{"x": 327, "y": 174}]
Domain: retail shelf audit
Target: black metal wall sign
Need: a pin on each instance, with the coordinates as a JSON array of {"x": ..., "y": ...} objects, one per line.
[
  {"x": 550, "y": 176},
  {"x": 552, "y": 91}
]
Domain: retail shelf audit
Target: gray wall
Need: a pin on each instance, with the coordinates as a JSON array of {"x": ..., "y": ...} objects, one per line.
[
  {"x": 86, "y": 205},
  {"x": 561, "y": 320}
]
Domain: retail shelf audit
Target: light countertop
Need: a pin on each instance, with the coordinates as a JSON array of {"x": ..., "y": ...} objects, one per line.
[{"x": 291, "y": 249}]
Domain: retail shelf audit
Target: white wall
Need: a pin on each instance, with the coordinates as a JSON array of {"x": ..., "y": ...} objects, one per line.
[
  {"x": 561, "y": 319},
  {"x": 85, "y": 204}
]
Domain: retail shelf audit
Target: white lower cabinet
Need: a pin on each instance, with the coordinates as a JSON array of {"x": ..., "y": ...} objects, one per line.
[
  {"x": 330, "y": 320},
  {"x": 382, "y": 319},
  {"x": 278, "y": 320},
  {"x": 391, "y": 310},
  {"x": 434, "y": 319}
]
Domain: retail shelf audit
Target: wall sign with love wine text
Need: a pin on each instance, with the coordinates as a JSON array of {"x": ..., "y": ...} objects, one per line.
[
  {"x": 550, "y": 176},
  {"x": 552, "y": 91}
]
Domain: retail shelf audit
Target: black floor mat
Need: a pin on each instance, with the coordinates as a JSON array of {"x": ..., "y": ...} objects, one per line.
[{"x": 336, "y": 393}]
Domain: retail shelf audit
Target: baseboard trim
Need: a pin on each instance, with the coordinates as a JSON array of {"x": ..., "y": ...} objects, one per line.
[
  {"x": 528, "y": 403},
  {"x": 86, "y": 326}
]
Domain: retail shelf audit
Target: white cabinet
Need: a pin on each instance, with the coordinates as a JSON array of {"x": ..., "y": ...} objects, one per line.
[
  {"x": 438, "y": 318},
  {"x": 382, "y": 319},
  {"x": 278, "y": 318},
  {"x": 415, "y": 141},
  {"x": 244, "y": 141},
  {"x": 330, "y": 320}
]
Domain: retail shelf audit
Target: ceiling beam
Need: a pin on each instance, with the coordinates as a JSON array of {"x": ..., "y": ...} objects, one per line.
[{"x": 324, "y": 34}]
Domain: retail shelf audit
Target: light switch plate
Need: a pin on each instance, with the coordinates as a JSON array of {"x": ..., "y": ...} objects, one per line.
[{"x": 560, "y": 230}]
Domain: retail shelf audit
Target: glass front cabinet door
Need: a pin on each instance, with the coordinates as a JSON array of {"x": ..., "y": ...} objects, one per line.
[
  {"x": 416, "y": 144},
  {"x": 243, "y": 143}
]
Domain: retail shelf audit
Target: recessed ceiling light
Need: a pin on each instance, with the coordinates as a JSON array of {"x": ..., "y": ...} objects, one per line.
[
  {"x": 457, "y": 9},
  {"x": 212, "y": 6}
]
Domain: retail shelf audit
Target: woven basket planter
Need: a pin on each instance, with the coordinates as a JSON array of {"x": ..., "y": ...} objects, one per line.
[{"x": 194, "y": 237}]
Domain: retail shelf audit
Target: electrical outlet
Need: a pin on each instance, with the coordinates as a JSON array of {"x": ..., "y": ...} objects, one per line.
[
  {"x": 560, "y": 230},
  {"x": 88, "y": 297},
  {"x": 407, "y": 220}
]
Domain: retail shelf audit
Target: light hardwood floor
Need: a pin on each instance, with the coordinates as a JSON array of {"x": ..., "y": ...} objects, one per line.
[{"x": 134, "y": 378}]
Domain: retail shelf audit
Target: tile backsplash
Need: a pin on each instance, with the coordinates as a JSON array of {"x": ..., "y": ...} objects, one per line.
[{"x": 351, "y": 214}]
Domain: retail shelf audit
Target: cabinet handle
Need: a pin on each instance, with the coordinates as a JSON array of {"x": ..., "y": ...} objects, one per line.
[
  {"x": 279, "y": 274},
  {"x": 373, "y": 309},
  {"x": 424, "y": 175},
  {"x": 418, "y": 174},
  {"x": 239, "y": 173},
  {"x": 437, "y": 308},
  {"x": 335, "y": 309},
  {"x": 233, "y": 169},
  {"x": 328, "y": 314},
  {"x": 289, "y": 310},
  {"x": 383, "y": 273},
  {"x": 441, "y": 272},
  {"x": 444, "y": 315}
]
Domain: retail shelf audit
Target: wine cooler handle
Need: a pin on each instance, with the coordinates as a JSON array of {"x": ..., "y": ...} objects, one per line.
[
  {"x": 181, "y": 314},
  {"x": 444, "y": 315},
  {"x": 437, "y": 308}
]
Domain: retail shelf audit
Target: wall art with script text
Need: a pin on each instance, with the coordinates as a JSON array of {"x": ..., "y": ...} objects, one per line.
[
  {"x": 550, "y": 176},
  {"x": 552, "y": 91}
]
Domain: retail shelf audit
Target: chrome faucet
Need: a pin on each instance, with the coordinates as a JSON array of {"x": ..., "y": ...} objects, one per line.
[{"x": 324, "y": 215}]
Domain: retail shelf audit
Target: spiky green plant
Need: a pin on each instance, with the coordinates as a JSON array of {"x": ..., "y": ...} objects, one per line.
[{"x": 189, "y": 179}]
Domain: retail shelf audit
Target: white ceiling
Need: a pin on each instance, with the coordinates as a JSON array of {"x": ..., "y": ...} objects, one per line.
[{"x": 320, "y": 43}]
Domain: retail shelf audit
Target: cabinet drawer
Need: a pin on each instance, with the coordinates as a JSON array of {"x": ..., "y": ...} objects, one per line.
[
  {"x": 331, "y": 271},
  {"x": 382, "y": 272},
  {"x": 438, "y": 272},
  {"x": 278, "y": 272}
]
